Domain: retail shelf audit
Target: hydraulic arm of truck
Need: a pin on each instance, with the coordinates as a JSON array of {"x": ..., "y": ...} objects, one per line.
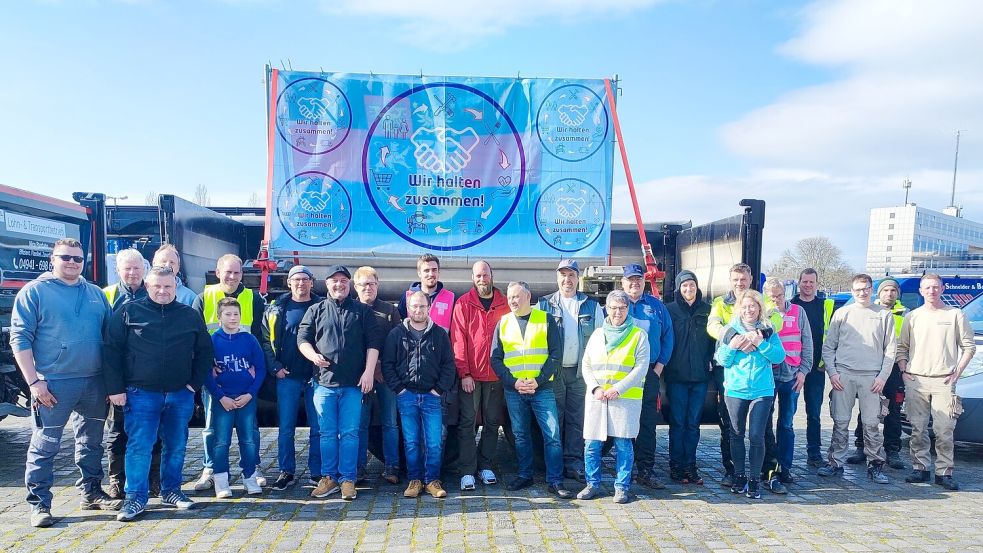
[{"x": 652, "y": 272}]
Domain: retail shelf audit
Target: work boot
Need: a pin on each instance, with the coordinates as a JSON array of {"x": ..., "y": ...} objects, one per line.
[
  {"x": 99, "y": 499},
  {"x": 817, "y": 462},
  {"x": 650, "y": 480},
  {"x": 947, "y": 482},
  {"x": 858, "y": 457},
  {"x": 678, "y": 475},
  {"x": 115, "y": 490},
  {"x": 918, "y": 477},
  {"x": 876, "y": 473},
  {"x": 895, "y": 461},
  {"x": 391, "y": 475}
]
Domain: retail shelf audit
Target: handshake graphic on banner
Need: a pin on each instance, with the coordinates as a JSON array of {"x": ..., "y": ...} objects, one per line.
[{"x": 444, "y": 149}]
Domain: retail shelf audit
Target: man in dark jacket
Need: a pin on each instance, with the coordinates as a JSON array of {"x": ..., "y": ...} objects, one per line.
[
  {"x": 156, "y": 356},
  {"x": 339, "y": 336},
  {"x": 687, "y": 376},
  {"x": 418, "y": 365},
  {"x": 293, "y": 373}
]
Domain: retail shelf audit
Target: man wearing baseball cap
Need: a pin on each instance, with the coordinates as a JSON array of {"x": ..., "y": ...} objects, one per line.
[
  {"x": 293, "y": 372},
  {"x": 339, "y": 337},
  {"x": 576, "y": 315},
  {"x": 888, "y": 291},
  {"x": 651, "y": 315}
]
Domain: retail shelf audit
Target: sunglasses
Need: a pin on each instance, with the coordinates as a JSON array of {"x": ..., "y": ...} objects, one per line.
[{"x": 75, "y": 258}]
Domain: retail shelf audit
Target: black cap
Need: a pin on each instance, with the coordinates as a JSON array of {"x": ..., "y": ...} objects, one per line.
[{"x": 335, "y": 269}]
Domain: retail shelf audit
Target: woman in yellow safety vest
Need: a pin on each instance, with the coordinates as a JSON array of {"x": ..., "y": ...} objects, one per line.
[{"x": 615, "y": 363}]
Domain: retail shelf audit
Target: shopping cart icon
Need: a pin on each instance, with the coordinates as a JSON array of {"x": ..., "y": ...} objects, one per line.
[{"x": 382, "y": 178}]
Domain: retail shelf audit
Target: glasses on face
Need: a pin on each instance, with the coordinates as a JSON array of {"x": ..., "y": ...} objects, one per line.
[
  {"x": 861, "y": 290},
  {"x": 366, "y": 284},
  {"x": 618, "y": 308},
  {"x": 66, "y": 258}
]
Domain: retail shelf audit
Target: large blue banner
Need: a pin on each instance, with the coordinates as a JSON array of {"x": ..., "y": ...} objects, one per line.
[{"x": 387, "y": 164}]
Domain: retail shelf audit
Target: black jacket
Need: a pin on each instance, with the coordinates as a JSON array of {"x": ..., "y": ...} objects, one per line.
[
  {"x": 274, "y": 324},
  {"x": 342, "y": 333},
  {"x": 418, "y": 365},
  {"x": 154, "y": 347},
  {"x": 693, "y": 350}
]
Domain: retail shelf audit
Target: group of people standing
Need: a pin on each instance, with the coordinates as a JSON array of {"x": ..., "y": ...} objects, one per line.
[{"x": 437, "y": 368}]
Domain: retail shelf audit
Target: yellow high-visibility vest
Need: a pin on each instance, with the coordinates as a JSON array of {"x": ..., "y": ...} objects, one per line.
[
  {"x": 525, "y": 355},
  {"x": 214, "y": 294},
  {"x": 611, "y": 367},
  {"x": 111, "y": 292}
]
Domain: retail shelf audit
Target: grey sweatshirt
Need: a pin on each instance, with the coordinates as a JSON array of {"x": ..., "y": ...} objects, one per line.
[
  {"x": 62, "y": 325},
  {"x": 860, "y": 340}
]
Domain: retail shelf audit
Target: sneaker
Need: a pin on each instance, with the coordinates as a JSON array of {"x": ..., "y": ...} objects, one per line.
[
  {"x": 205, "y": 481},
  {"x": 947, "y": 482},
  {"x": 817, "y": 462},
  {"x": 830, "y": 470},
  {"x": 260, "y": 479},
  {"x": 252, "y": 485},
  {"x": 693, "y": 475},
  {"x": 621, "y": 496},
  {"x": 858, "y": 457},
  {"x": 115, "y": 490},
  {"x": 774, "y": 485},
  {"x": 435, "y": 489},
  {"x": 727, "y": 481},
  {"x": 739, "y": 485},
  {"x": 590, "y": 492},
  {"x": 283, "y": 481},
  {"x": 348, "y": 491},
  {"x": 391, "y": 475},
  {"x": 99, "y": 499},
  {"x": 414, "y": 489},
  {"x": 917, "y": 477},
  {"x": 222, "y": 489},
  {"x": 41, "y": 517},
  {"x": 679, "y": 476},
  {"x": 559, "y": 491},
  {"x": 467, "y": 483},
  {"x": 487, "y": 477},
  {"x": 785, "y": 477},
  {"x": 895, "y": 461},
  {"x": 131, "y": 510},
  {"x": 325, "y": 487},
  {"x": 876, "y": 473},
  {"x": 650, "y": 480},
  {"x": 176, "y": 498},
  {"x": 752, "y": 491}
]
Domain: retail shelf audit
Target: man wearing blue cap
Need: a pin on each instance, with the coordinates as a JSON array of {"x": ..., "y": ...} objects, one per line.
[
  {"x": 576, "y": 315},
  {"x": 651, "y": 315}
]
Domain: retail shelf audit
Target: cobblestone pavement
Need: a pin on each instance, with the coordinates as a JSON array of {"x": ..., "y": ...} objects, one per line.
[{"x": 840, "y": 514}]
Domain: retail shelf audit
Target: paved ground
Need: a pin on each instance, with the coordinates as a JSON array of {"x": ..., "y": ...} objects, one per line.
[{"x": 843, "y": 514}]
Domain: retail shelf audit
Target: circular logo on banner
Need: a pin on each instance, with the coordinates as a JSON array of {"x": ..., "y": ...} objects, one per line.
[
  {"x": 314, "y": 209},
  {"x": 570, "y": 215},
  {"x": 443, "y": 166},
  {"x": 313, "y": 116},
  {"x": 572, "y": 122}
]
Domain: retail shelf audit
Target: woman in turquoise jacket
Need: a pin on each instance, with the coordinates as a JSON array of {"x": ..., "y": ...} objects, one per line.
[{"x": 748, "y": 347}]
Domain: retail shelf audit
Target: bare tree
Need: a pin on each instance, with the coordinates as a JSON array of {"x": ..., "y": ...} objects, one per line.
[
  {"x": 151, "y": 198},
  {"x": 201, "y": 196},
  {"x": 254, "y": 201},
  {"x": 817, "y": 252}
]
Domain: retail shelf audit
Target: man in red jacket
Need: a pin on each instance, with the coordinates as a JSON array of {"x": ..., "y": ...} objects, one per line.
[{"x": 474, "y": 320}]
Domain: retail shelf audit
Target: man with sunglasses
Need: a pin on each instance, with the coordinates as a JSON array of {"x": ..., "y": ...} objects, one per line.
[{"x": 56, "y": 335}]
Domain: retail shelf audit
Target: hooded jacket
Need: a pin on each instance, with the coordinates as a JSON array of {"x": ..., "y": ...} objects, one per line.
[
  {"x": 156, "y": 347},
  {"x": 471, "y": 334},
  {"x": 62, "y": 324},
  {"x": 693, "y": 348},
  {"x": 418, "y": 365},
  {"x": 241, "y": 365}
]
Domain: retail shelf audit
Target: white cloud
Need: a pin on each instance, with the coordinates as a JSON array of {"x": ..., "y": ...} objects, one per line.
[{"x": 455, "y": 25}]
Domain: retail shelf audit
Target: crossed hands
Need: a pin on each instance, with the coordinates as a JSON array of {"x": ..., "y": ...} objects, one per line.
[
  {"x": 526, "y": 385},
  {"x": 230, "y": 404},
  {"x": 605, "y": 395},
  {"x": 746, "y": 342}
]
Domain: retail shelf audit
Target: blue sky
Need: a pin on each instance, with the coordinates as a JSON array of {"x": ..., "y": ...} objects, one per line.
[{"x": 819, "y": 108}]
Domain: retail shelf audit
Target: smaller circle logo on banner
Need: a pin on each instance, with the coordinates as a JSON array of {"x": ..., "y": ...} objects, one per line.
[
  {"x": 313, "y": 115},
  {"x": 570, "y": 215},
  {"x": 443, "y": 166},
  {"x": 572, "y": 123},
  {"x": 314, "y": 208}
]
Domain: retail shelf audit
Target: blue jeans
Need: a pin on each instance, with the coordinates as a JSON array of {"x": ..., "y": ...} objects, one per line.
[
  {"x": 86, "y": 397},
  {"x": 625, "y": 458},
  {"x": 390, "y": 428},
  {"x": 288, "y": 394},
  {"x": 422, "y": 418},
  {"x": 243, "y": 420},
  {"x": 786, "y": 402},
  {"x": 685, "y": 410},
  {"x": 147, "y": 414},
  {"x": 814, "y": 392},
  {"x": 207, "y": 431},
  {"x": 339, "y": 411},
  {"x": 542, "y": 405}
]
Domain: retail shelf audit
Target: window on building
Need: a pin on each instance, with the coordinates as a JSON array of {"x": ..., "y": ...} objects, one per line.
[
  {"x": 889, "y": 248},
  {"x": 892, "y": 215},
  {"x": 891, "y": 226},
  {"x": 890, "y": 237}
]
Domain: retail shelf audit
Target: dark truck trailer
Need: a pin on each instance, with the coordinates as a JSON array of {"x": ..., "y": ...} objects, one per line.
[{"x": 29, "y": 226}]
